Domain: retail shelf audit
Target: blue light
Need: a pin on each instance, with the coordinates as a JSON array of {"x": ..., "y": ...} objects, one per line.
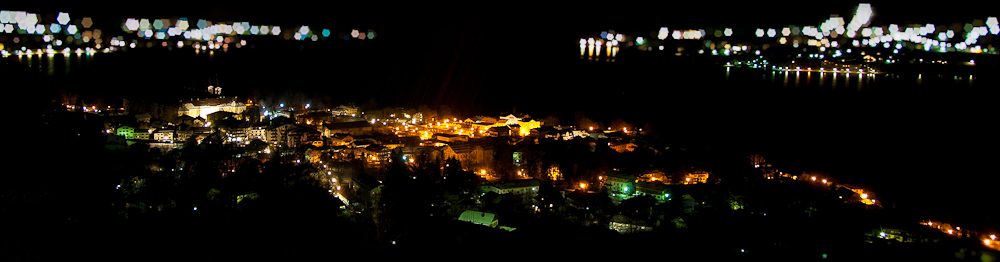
[
  {"x": 604, "y": 34},
  {"x": 55, "y": 28},
  {"x": 347, "y": 37},
  {"x": 326, "y": 32},
  {"x": 282, "y": 105}
]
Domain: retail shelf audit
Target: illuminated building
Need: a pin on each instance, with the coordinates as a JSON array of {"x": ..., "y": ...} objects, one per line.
[
  {"x": 699, "y": 176},
  {"x": 620, "y": 184},
  {"x": 470, "y": 155},
  {"x": 126, "y": 131},
  {"x": 341, "y": 139},
  {"x": 525, "y": 187},
  {"x": 163, "y": 135},
  {"x": 301, "y": 135},
  {"x": 142, "y": 134},
  {"x": 345, "y": 110},
  {"x": 624, "y": 224},
  {"x": 479, "y": 218},
  {"x": 657, "y": 190},
  {"x": 203, "y": 107},
  {"x": 257, "y": 131},
  {"x": 623, "y": 147}
]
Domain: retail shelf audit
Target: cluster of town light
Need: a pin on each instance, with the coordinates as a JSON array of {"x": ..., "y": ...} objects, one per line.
[
  {"x": 837, "y": 32},
  {"x": 218, "y": 35}
]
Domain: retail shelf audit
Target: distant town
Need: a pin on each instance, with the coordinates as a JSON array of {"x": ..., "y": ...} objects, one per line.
[{"x": 504, "y": 168}]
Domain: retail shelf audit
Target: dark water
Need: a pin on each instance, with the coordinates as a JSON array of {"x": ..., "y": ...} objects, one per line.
[{"x": 923, "y": 142}]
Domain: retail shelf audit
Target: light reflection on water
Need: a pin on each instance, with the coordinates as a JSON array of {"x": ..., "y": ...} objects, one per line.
[
  {"x": 838, "y": 81},
  {"x": 55, "y": 64}
]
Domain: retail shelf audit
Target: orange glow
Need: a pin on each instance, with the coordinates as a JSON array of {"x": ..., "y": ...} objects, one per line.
[
  {"x": 950, "y": 231},
  {"x": 814, "y": 178},
  {"x": 583, "y": 185}
]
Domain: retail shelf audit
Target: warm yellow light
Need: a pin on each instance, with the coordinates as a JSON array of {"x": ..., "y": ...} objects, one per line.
[
  {"x": 824, "y": 181},
  {"x": 689, "y": 180},
  {"x": 482, "y": 171},
  {"x": 814, "y": 178},
  {"x": 600, "y": 177},
  {"x": 864, "y": 196},
  {"x": 986, "y": 241},
  {"x": 950, "y": 231},
  {"x": 993, "y": 237},
  {"x": 582, "y": 185},
  {"x": 591, "y": 128}
]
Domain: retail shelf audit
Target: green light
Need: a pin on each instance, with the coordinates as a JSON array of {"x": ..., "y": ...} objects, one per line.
[
  {"x": 824, "y": 256},
  {"x": 639, "y": 40}
]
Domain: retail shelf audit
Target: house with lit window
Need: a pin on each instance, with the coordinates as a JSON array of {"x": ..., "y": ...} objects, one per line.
[
  {"x": 623, "y": 147},
  {"x": 126, "y": 131},
  {"x": 525, "y": 187},
  {"x": 479, "y": 218},
  {"x": 625, "y": 225},
  {"x": 695, "y": 177},
  {"x": 256, "y": 131},
  {"x": 203, "y": 107},
  {"x": 657, "y": 190},
  {"x": 163, "y": 135},
  {"x": 620, "y": 183},
  {"x": 345, "y": 110},
  {"x": 142, "y": 134}
]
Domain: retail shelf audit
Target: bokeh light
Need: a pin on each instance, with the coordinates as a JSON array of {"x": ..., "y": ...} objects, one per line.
[{"x": 63, "y": 18}]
